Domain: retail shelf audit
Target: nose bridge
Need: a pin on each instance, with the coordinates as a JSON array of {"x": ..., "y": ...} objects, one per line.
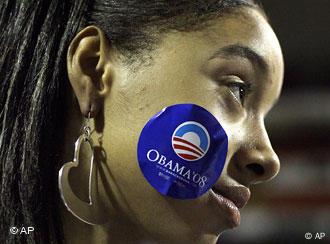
[
  {"x": 262, "y": 142},
  {"x": 259, "y": 160}
]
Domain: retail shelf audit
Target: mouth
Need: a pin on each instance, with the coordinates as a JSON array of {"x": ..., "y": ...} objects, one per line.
[{"x": 230, "y": 199}]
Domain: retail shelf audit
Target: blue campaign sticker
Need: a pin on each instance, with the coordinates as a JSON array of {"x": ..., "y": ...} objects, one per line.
[{"x": 182, "y": 151}]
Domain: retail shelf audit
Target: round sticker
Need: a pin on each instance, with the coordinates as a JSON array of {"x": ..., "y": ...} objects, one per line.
[{"x": 182, "y": 151}]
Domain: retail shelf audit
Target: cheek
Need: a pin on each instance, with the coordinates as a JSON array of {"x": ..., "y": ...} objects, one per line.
[
  {"x": 128, "y": 188},
  {"x": 166, "y": 84},
  {"x": 133, "y": 195}
]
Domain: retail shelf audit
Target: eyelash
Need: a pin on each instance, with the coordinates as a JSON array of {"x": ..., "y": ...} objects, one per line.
[{"x": 241, "y": 88}]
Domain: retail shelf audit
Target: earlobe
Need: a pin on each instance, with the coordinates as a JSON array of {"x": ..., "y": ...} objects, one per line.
[{"x": 88, "y": 66}]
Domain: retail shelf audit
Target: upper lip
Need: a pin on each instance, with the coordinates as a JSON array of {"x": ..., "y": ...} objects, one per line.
[{"x": 239, "y": 194}]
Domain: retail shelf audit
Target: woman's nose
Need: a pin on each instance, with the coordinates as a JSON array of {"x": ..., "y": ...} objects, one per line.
[{"x": 255, "y": 159}]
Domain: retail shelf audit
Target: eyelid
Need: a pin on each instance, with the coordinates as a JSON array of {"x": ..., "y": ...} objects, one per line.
[
  {"x": 237, "y": 81},
  {"x": 233, "y": 79}
]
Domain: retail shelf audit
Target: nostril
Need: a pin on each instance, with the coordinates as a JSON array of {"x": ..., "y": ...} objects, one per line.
[{"x": 256, "y": 168}]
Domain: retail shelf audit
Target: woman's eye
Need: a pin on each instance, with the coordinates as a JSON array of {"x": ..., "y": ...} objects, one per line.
[{"x": 239, "y": 91}]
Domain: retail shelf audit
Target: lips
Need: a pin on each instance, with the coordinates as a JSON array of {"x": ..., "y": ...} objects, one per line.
[
  {"x": 239, "y": 195},
  {"x": 229, "y": 199}
]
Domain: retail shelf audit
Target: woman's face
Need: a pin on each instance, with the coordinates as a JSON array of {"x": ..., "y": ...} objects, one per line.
[{"x": 234, "y": 69}]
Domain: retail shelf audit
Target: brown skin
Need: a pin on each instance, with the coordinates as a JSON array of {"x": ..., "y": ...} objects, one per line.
[{"x": 184, "y": 69}]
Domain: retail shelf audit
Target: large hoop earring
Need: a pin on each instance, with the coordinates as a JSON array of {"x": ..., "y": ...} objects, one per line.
[{"x": 88, "y": 212}]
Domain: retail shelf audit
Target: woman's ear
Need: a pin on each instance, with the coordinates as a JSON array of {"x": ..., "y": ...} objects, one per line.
[{"x": 89, "y": 68}]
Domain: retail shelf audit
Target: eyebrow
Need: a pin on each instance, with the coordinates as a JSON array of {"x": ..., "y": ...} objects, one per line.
[{"x": 244, "y": 52}]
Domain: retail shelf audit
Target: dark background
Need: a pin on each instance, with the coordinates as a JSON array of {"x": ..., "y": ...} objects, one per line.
[{"x": 298, "y": 199}]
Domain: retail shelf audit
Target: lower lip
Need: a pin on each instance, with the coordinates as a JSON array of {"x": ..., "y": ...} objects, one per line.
[{"x": 229, "y": 208}]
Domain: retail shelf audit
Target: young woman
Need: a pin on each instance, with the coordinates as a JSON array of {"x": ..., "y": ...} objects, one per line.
[{"x": 112, "y": 65}]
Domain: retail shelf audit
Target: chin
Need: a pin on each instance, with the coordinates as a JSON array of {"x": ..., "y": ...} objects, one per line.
[
  {"x": 203, "y": 234},
  {"x": 176, "y": 238}
]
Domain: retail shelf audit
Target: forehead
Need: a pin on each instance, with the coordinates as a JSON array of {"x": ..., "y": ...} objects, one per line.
[
  {"x": 250, "y": 28},
  {"x": 247, "y": 27},
  {"x": 182, "y": 54}
]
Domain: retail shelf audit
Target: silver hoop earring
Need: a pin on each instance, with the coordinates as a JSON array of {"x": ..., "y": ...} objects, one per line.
[{"x": 88, "y": 212}]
